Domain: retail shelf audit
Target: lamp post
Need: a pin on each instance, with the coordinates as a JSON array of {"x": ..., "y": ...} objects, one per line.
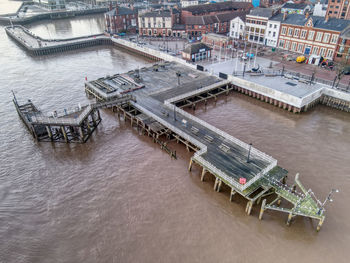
[{"x": 328, "y": 198}]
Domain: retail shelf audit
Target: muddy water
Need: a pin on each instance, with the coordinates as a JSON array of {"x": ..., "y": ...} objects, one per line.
[{"x": 119, "y": 198}]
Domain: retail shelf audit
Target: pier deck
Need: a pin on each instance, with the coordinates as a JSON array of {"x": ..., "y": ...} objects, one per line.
[{"x": 40, "y": 46}]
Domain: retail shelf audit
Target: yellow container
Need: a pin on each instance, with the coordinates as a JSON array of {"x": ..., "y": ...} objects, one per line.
[{"x": 300, "y": 59}]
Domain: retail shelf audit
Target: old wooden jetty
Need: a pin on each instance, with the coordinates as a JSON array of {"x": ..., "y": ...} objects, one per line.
[
  {"x": 161, "y": 91},
  {"x": 75, "y": 125},
  {"x": 39, "y": 46}
]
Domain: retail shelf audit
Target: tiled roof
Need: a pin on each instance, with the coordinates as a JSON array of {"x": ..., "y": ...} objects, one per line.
[
  {"x": 263, "y": 12},
  {"x": 179, "y": 27},
  {"x": 122, "y": 11},
  {"x": 194, "y": 48},
  {"x": 294, "y": 6},
  {"x": 334, "y": 24},
  {"x": 157, "y": 13},
  {"x": 217, "y": 7},
  {"x": 211, "y": 19}
]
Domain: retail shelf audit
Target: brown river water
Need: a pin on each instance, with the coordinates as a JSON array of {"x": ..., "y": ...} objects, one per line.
[{"x": 119, "y": 198}]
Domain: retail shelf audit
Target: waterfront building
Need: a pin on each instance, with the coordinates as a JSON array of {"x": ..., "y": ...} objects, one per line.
[
  {"x": 214, "y": 9},
  {"x": 343, "y": 48},
  {"x": 121, "y": 20},
  {"x": 272, "y": 30},
  {"x": 216, "y": 40},
  {"x": 196, "y": 26},
  {"x": 186, "y": 3},
  {"x": 158, "y": 23},
  {"x": 256, "y": 24},
  {"x": 51, "y": 4},
  {"x": 311, "y": 35},
  {"x": 196, "y": 52},
  {"x": 293, "y": 8},
  {"x": 338, "y": 9},
  {"x": 237, "y": 27}
]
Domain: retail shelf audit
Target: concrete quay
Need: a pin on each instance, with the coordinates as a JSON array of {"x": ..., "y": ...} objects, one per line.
[
  {"x": 34, "y": 17},
  {"x": 283, "y": 90},
  {"x": 39, "y": 46}
]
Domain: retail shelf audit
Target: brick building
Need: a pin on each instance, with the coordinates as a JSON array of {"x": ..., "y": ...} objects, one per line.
[
  {"x": 121, "y": 19},
  {"x": 343, "y": 48},
  {"x": 214, "y": 9},
  {"x": 338, "y": 9},
  {"x": 216, "y": 40},
  {"x": 311, "y": 35},
  {"x": 158, "y": 23}
]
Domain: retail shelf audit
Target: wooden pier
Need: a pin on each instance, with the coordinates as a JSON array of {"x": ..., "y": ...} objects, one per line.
[
  {"x": 75, "y": 125},
  {"x": 157, "y": 112}
]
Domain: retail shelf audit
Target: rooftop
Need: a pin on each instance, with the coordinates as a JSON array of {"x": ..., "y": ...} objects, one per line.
[
  {"x": 194, "y": 48},
  {"x": 157, "y": 13},
  {"x": 334, "y": 24},
  {"x": 211, "y": 19},
  {"x": 295, "y": 6},
  {"x": 217, "y": 7},
  {"x": 263, "y": 12},
  {"x": 121, "y": 11}
]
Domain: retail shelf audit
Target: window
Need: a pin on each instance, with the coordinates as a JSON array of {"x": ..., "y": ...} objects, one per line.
[
  {"x": 330, "y": 53},
  {"x": 270, "y": 26},
  {"x": 262, "y": 31},
  {"x": 323, "y": 51},
  {"x": 303, "y": 34},
  {"x": 247, "y": 28},
  {"x": 311, "y": 35},
  {"x": 281, "y": 43},
  {"x": 257, "y": 30},
  {"x": 319, "y": 36},
  {"x": 274, "y": 34},
  {"x": 290, "y": 31},
  {"x": 300, "y": 48},
  {"x": 294, "y": 46},
  {"x": 233, "y": 26},
  {"x": 287, "y": 45},
  {"x": 241, "y": 26},
  {"x": 334, "y": 39},
  {"x": 275, "y": 26},
  {"x": 284, "y": 29},
  {"x": 326, "y": 37},
  {"x": 315, "y": 50},
  {"x": 269, "y": 33},
  {"x": 296, "y": 32}
]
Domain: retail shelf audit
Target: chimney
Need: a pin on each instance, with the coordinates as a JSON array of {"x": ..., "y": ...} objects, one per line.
[
  {"x": 326, "y": 18},
  {"x": 307, "y": 15},
  {"x": 285, "y": 15}
]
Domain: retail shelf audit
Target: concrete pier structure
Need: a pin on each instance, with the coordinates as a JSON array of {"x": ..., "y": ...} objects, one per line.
[
  {"x": 38, "y": 46},
  {"x": 168, "y": 87}
]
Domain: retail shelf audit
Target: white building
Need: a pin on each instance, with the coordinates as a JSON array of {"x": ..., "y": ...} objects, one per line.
[
  {"x": 256, "y": 24},
  {"x": 186, "y": 3},
  {"x": 272, "y": 31},
  {"x": 320, "y": 9},
  {"x": 237, "y": 28}
]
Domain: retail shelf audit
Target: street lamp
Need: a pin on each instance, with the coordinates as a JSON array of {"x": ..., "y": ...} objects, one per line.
[{"x": 328, "y": 198}]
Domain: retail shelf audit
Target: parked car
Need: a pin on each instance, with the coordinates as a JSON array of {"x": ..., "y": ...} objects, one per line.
[
  {"x": 346, "y": 70},
  {"x": 300, "y": 59}
]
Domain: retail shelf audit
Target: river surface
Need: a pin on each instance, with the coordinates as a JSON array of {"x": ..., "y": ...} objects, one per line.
[{"x": 119, "y": 198}]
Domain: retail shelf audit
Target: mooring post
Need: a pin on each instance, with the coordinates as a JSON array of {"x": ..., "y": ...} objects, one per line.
[
  {"x": 233, "y": 192},
  {"x": 289, "y": 219},
  {"x": 190, "y": 165},
  {"x": 320, "y": 223},
  {"x": 216, "y": 183},
  {"x": 262, "y": 209},
  {"x": 219, "y": 185},
  {"x": 203, "y": 173},
  {"x": 64, "y": 133},
  {"x": 49, "y": 132}
]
